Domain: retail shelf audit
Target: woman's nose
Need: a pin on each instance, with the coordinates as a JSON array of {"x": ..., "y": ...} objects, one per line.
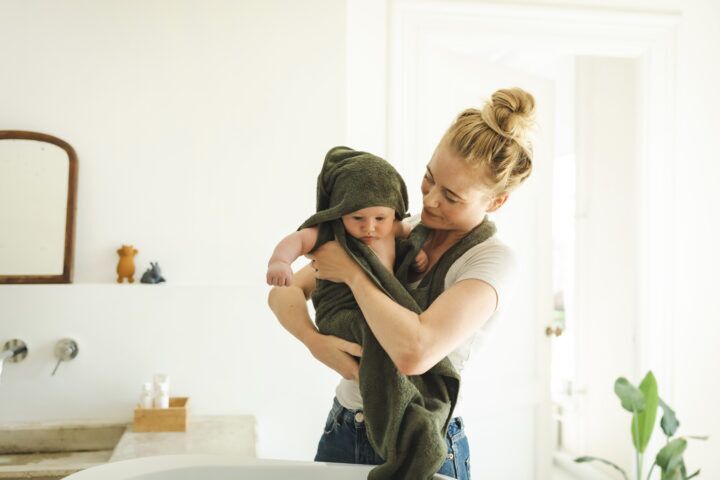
[{"x": 431, "y": 198}]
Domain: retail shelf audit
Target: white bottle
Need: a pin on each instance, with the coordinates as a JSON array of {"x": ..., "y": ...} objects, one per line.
[
  {"x": 161, "y": 384},
  {"x": 146, "y": 397},
  {"x": 162, "y": 396}
]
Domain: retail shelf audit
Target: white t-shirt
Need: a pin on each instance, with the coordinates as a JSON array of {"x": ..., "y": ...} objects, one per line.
[{"x": 492, "y": 262}]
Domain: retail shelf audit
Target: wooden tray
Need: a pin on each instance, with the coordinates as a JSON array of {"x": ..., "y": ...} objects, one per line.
[{"x": 173, "y": 419}]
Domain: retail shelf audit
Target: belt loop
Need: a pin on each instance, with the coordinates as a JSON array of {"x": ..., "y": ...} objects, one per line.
[
  {"x": 338, "y": 410},
  {"x": 339, "y": 414}
]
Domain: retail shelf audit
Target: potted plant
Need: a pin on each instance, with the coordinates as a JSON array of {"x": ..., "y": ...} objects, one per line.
[{"x": 643, "y": 402}]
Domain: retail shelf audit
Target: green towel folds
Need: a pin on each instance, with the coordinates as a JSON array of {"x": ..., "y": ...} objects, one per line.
[{"x": 406, "y": 416}]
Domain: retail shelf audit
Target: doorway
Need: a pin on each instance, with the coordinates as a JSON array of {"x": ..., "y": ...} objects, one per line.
[{"x": 411, "y": 67}]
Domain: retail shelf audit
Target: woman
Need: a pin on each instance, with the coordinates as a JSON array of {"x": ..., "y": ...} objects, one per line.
[{"x": 480, "y": 160}]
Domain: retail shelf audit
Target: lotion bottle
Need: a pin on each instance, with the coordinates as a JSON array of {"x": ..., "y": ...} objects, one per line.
[{"x": 146, "y": 397}]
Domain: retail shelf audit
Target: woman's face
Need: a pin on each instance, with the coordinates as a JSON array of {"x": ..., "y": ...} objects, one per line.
[{"x": 454, "y": 195}]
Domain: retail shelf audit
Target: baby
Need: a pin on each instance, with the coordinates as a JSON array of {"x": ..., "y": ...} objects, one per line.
[{"x": 377, "y": 224}]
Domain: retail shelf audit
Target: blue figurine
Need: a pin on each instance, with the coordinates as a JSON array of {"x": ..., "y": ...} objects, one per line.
[{"x": 152, "y": 274}]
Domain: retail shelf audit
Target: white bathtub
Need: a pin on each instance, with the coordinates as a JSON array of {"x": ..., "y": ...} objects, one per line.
[{"x": 221, "y": 467}]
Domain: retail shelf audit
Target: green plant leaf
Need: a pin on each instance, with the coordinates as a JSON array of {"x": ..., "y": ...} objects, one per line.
[
  {"x": 684, "y": 471},
  {"x": 669, "y": 422},
  {"x": 631, "y": 398},
  {"x": 606, "y": 462},
  {"x": 693, "y": 475},
  {"x": 643, "y": 428},
  {"x": 674, "y": 474},
  {"x": 670, "y": 456}
]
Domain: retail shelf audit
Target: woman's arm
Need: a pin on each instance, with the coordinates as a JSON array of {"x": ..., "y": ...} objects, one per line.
[
  {"x": 418, "y": 342},
  {"x": 414, "y": 342},
  {"x": 290, "y": 307}
]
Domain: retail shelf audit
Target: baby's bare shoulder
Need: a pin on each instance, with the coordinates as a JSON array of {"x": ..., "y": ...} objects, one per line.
[{"x": 384, "y": 248}]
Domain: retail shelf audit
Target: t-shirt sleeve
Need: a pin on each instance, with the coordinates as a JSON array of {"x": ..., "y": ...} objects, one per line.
[
  {"x": 494, "y": 263},
  {"x": 412, "y": 221}
]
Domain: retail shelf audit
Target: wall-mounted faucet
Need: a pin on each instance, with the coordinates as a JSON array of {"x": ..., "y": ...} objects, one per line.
[
  {"x": 13, "y": 351},
  {"x": 65, "y": 350}
]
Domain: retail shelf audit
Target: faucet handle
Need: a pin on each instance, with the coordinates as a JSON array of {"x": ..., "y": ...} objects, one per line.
[
  {"x": 56, "y": 367},
  {"x": 65, "y": 350}
]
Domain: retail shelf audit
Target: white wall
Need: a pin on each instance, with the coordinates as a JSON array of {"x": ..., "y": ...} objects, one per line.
[
  {"x": 697, "y": 313},
  {"x": 200, "y": 128}
]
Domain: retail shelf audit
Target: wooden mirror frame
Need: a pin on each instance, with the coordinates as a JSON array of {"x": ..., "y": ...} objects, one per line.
[{"x": 67, "y": 275}]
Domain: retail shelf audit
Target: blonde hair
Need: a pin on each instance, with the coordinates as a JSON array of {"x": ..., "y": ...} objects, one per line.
[{"x": 495, "y": 139}]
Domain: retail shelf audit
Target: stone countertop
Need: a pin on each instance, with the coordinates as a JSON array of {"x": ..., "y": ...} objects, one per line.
[{"x": 229, "y": 434}]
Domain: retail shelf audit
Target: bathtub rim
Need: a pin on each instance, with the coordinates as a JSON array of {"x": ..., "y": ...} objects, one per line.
[{"x": 120, "y": 470}]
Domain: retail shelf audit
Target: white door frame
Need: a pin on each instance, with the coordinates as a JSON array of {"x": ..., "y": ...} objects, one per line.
[{"x": 380, "y": 32}]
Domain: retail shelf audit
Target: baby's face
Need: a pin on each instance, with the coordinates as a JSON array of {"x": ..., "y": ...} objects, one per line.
[{"x": 370, "y": 224}]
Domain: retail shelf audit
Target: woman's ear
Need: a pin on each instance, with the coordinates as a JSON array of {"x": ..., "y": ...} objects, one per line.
[{"x": 497, "y": 202}]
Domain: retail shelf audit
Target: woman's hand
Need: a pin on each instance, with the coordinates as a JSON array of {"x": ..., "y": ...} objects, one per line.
[
  {"x": 331, "y": 262},
  {"x": 337, "y": 354}
]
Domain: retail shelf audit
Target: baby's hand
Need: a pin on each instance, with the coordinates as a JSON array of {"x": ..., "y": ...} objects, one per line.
[
  {"x": 279, "y": 274},
  {"x": 421, "y": 262}
]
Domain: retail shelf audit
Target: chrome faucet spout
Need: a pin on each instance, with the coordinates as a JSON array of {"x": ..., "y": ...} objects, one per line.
[
  {"x": 14, "y": 351},
  {"x": 4, "y": 355}
]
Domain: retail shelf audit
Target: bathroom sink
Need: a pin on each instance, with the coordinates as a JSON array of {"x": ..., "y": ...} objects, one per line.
[{"x": 54, "y": 450}]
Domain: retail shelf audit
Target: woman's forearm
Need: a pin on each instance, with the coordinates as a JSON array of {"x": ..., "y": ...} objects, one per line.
[{"x": 398, "y": 329}]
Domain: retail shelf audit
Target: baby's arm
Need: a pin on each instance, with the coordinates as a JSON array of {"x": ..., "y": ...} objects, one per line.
[
  {"x": 290, "y": 248},
  {"x": 421, "y": 261}
]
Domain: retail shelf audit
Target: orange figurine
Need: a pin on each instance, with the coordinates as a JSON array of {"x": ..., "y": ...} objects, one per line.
[{"x": 126, "y": 264}]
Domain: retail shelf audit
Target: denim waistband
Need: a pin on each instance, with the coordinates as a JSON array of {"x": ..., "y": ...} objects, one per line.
[{"x": 456, "y": 425}]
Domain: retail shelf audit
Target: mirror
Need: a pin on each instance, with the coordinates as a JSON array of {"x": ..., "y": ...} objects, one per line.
[{"x": 38, "y": 188}]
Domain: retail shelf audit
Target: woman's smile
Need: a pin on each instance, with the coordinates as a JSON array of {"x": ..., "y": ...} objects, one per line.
[{"x": 431, "y": 215}]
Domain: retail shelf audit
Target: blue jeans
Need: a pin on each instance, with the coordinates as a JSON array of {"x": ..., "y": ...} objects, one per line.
[{"x": 345, "y": 441}]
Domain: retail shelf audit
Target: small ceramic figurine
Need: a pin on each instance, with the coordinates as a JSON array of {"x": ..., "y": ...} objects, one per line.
[
  {"x": 126, "y": 264},
  {"x": 152, "y": 274}
]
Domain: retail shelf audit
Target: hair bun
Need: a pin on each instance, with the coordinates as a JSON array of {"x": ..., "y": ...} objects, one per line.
[{"x": 510, "y": 113}]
